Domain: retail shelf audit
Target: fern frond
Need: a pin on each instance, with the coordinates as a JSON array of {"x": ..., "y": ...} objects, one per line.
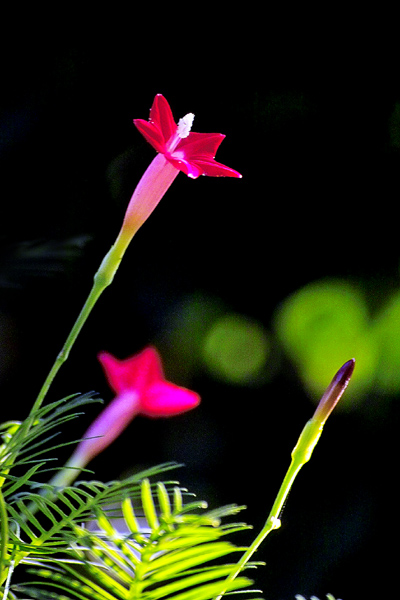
[
  {"x": 153, "y": 547},
  {"x": 41, "y": 518},
  {"x": 27, "y": 442}
]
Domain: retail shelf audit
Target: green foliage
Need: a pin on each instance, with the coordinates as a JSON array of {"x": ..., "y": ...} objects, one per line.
[
  {"x": 327, "y": 321},
  {"x": 122, "y": 539},
  {"x": 22, "y": 458},
  {"x": 45, "y": 524},
  {"x": 37, "y": 521},
  {"x": 27, "y": 443},
  {"x": 322, "y": 325},
  {"x": 143, "y": 548}
]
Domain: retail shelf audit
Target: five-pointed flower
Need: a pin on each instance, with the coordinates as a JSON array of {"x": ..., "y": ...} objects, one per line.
[
  {"x": 178, "y": 149},
  {"x": 142, "y": 374},
  {"x": 140, "y": 388},
  {"x": 192, "y": 153}
]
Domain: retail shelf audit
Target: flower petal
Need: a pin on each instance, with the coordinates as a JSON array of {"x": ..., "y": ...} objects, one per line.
[
  {"x": 151, "y": 133},
  {"x": 201, "y": 144},
  {"x": 213, "y": 168},
  {"x": 161, "y": 125},
  {"x": 186, "y": 166},
  {"x": 164, "y": 399},
  {"x": 134, "y": 373},
  {"x": 193, "y": 154},
  {"x": 161, "y": 115}
]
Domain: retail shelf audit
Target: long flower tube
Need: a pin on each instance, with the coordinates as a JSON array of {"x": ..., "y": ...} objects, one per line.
[
  {"x": 178, "y": 149},
  {"x": 301, "y": 454}
]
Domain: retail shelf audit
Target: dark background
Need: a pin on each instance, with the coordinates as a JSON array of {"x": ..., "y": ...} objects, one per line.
[{"x": 308, "y": 104}]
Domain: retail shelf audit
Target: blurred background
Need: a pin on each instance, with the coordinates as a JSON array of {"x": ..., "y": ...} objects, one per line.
[{"x": 255, "y": 291}]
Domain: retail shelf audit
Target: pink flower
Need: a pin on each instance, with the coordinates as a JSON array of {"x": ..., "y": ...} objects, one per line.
[
  {"x": 192, "y": 153},
  {"x": 178, "y": 149},
  {"x": 143, "y": 375},
  {"x": 140, "y": 388}
]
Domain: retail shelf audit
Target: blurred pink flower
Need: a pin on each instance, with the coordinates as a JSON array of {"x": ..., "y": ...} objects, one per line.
[
  {"x": 143, "y": 374},
  {"x": 140, "y": 388}
]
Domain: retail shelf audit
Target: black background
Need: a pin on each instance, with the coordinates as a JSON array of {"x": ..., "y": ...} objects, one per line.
[{"x": 307, "y": 104}]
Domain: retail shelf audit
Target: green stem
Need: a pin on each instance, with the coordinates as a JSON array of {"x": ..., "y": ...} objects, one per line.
[
  {"x": 151, "y": 188},
  {"x": 102, "y": 279},
  {"x": 3, "y": 535},
  {"x": 300, "y": 455}
]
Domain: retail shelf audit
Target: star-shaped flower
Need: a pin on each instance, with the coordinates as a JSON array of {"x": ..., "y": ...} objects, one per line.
[
  {"x": 140, "y": 388},
  {"x": 192, "y": 153},
  {"x": 143, "y": 375}
]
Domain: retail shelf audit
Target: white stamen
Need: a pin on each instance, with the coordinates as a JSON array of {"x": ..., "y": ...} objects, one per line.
[{"x": 185, "y": 125}]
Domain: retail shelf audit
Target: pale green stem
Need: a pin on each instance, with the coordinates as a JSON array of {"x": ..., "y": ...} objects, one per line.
[
  {"x": 300, "y": 455},
  {"x": 102, "y": 279},
  {"x": 3, "y": 535}
]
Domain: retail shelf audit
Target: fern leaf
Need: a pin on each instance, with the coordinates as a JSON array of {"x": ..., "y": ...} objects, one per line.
[
  {"x": 43, "y": 525},
  {"x": 17, "y": 482},
  {"x": 24, "y": 442},
  {"x": 176, "y": 555}
]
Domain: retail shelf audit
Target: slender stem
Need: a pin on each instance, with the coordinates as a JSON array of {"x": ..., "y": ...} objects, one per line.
[
  {"x": 300, "y": 455},
  {"x": 151, "y": 188},
  {"x": 3, "y": 535},
  {"x": 63, "y": 355},
  {"x": 273, "y": 521},
  {"x": 102, "y": 279}
]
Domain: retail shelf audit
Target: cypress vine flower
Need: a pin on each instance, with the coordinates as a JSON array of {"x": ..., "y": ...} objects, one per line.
[
  {"x": 141, "y": 388},
  {"x": 178, "y": 149},
  {"x": 192, "y": 153}
]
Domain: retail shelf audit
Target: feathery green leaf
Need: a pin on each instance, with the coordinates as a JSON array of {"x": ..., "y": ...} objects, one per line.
[{"x": 152, "y": 547}]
